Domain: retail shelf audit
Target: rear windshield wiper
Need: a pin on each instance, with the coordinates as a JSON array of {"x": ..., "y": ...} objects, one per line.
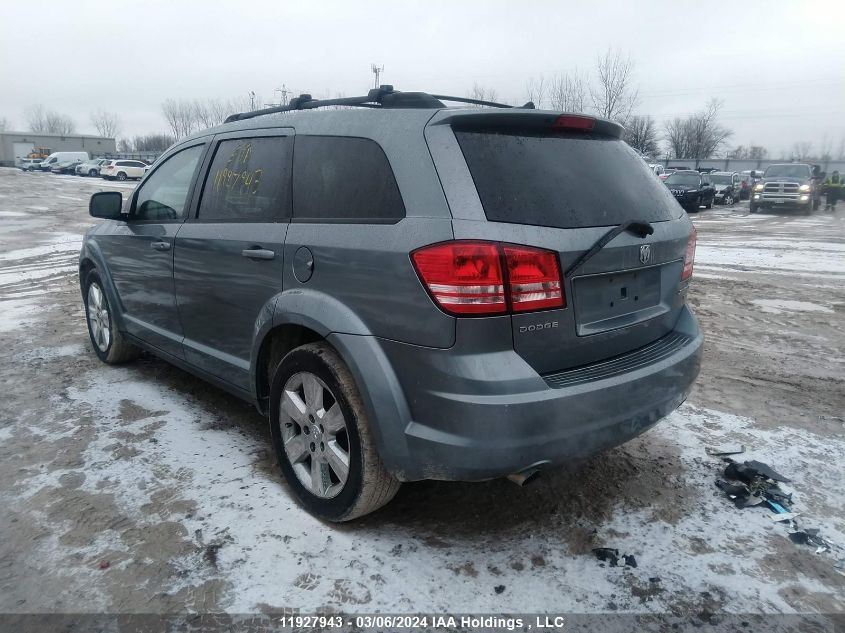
[{"x": 640, "y": 228}]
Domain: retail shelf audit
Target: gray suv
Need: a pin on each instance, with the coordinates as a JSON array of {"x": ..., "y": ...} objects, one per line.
[{"x": 407, "y": 291}]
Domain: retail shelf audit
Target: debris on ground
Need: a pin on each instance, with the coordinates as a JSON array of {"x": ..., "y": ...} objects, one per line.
[
  {"x": 754, "y": 483},
  {"x": 499, "y": 589},
  {"x": 611, "y": 555},
  {"x": 103, "y": 564},
  {"x": 724, "y": 451}
]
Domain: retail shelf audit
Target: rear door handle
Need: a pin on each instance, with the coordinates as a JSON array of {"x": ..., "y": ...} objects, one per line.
[
  {"x": 258, "y": 253},
  {"x": 160, "y": 246}
]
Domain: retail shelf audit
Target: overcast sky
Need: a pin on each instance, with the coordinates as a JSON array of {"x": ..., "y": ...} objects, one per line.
[{"x": 778, "y": 65}]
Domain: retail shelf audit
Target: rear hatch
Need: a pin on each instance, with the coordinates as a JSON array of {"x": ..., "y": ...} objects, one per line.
[{"x": 557, "y": 187}]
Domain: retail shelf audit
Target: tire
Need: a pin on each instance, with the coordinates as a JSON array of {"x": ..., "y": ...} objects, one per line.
[
  {"x": 729, "y": 200},
  {"x": 709, "y": 204},
  {"x": 106, "y": 339},
  {"x": 367, "y": 485},
  {"x": 93, "y": 173},
  {"x": 121, "y": 176}
]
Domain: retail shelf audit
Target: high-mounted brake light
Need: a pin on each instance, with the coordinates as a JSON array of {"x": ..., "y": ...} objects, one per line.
[
  {"x": 689, "y": 258},
  {"x": 573, "y": 122},
  {"x": 468, "y": 278}
]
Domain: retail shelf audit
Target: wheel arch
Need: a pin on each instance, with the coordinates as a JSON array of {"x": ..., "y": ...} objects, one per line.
[{"x": 90, "y": 258}]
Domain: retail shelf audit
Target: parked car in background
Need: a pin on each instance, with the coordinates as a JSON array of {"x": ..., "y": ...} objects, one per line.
[
  {"x": 91, "y": 167},
  {"x": 123, "y": 169},
  {"x": 657, "y": 168},
  {"x": 65, "y": 167},
  {"x": 691, "y": 189},
  {"x": 30, "y": 164},
  {"x": 666, "y": 173},
  {"x": 59, "y": 157},
  {"x": 728, "y": 186},
  {"x": 390, "y": 330},
  {"x": 787, "y": 185}
]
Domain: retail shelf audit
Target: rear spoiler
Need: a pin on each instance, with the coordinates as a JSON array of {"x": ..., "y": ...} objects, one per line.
[{"x": 527, "y": 120}]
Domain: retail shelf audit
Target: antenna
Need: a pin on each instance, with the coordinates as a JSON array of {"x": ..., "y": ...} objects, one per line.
[{"x": 376, "y": 71}]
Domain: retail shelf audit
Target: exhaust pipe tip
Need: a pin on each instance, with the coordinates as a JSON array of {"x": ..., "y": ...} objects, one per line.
[{"x": 524, "y": 477}]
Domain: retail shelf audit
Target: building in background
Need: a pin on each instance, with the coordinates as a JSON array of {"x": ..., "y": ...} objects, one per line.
[{"x": 17, "y": 145}]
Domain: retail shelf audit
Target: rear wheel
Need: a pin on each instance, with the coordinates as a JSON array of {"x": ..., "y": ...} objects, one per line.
[
  {"x": 121, "y": 175},
  {"x": 322, "y": 438},
  {"x": 92, "y": 172},
  {"x": 108, "y": 342}
]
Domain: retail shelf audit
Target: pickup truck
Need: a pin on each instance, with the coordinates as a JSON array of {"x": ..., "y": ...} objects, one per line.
[{"x": 789, "y": 185}]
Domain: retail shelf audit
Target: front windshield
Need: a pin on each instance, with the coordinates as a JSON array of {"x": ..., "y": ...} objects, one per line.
[
  {"x": 790, "y": 171},
  {"x": 720, "y": 180},
  {"x": 682, "y": 179}
]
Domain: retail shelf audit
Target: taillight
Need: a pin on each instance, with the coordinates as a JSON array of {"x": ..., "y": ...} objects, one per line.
[
  {"x": 467, "y": 277},
  {"x": 689, "y": 258},
  {"x": 533, "y": 279},
  {"x": 573, "y": 122}
]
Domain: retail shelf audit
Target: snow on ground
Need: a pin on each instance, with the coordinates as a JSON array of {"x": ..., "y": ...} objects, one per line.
[
  {"x": 779, "y": 306},
  {"x": 272, "y": 552}
]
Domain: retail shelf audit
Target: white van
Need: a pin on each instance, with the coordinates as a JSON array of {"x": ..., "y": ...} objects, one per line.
[{"x": 59, "y": 157}]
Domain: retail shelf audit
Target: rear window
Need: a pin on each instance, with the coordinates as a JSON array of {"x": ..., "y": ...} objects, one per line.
[{"x": 563, "y": 181}]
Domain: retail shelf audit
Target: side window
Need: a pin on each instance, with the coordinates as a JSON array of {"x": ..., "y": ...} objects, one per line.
[
  {"x": 344, "y": 179},
  {"x": 164, "y": 195},
  {"x": 249, "y": 179}
]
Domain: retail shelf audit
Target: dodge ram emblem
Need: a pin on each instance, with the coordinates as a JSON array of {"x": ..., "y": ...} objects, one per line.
[{"x": 645, "y": 253}]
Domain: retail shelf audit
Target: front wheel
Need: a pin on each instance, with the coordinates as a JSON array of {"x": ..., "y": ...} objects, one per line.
[
  {"x": 108, "y": 342},
  {"x": 729, "y": 200},
  {"x": 322, "y": 437}
]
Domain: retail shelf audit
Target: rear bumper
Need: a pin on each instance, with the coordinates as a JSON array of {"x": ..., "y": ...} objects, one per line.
[{"x": 481, "y": 416}]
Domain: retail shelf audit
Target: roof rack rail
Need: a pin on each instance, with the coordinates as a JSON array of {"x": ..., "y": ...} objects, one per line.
[{"x": 382, "y": 97}]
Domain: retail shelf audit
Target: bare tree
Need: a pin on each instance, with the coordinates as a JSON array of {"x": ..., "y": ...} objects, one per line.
[
  {"x": 802, "y": 150},
  {"x": 698, "y": 135},
  {"x": 569, "y": 92},
  {"x": 4, "y": 124},
  {"x": 535, "y": 91},
  {"x": 153, "y": 142},
  {"x": 36, "y": 118},
  {"x": 641, "y": 134},
  {"x": 48, "y": 121},
  {"x": 106, "y": 123},
  {"x": 124, "y": 146},
  {"x": 615, "y": 96},
  {"x": 757, "y": 152},
  {"x": 840, "y": 153},
  {"x": 482, "y": 93},
  {"x": 180, "y": 115}
]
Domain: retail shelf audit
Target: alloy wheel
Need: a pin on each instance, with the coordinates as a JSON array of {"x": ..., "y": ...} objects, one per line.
[
  {"x": 314, "y": 435},
  {"x": 98, "y": 317}
]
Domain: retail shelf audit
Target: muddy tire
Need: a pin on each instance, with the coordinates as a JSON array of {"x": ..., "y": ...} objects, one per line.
[
  {"x": 108, "y": 342},
  {"x": 322, "y": 437}
]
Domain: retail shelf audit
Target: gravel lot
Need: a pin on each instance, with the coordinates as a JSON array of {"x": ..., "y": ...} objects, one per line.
[{"x": 172, "y": 483}]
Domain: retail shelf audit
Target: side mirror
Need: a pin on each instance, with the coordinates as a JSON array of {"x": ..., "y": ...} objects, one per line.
[{"x": 106, "y": 205}]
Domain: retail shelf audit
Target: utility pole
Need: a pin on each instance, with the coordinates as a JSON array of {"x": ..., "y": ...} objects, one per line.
[
  {"x": 252, "y": 99},
  {"x": 283, "y": 95},
  {"x": 376, "y": 71}
]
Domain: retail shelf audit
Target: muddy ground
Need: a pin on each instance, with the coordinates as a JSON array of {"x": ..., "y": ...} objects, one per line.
[{"x": 142, "y": 489}]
